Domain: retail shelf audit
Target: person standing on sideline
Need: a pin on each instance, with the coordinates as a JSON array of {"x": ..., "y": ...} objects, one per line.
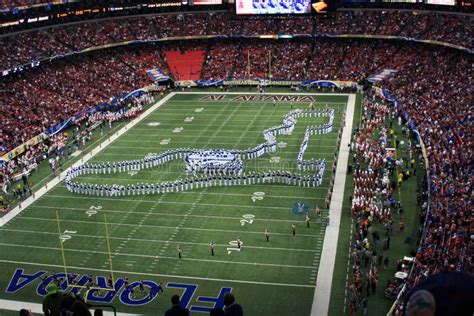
[
  {"x": 160, "y": 288},
  {"x": 239, "y": 243},
  {"x": 308, "y": 219},
  {"x": 176, "y": 309},
  {"x": 212, "y": 248},
  {"x": 267, "y": 234},
  {"x": 293, "y": 228},
  {"x": 316, "y": 213},
  {"x": 364, "y": 305},
  {"x": 178, "y": 249},
  {"x": 385, "y": 263}
]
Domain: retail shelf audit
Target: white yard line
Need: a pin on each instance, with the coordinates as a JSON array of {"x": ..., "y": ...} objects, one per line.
[
  {"x": 38, "y": 308},
  {"x": 179, "y": 213},
  {"x": 23, "y": 231},
  {"x": 171, "y": 133},
  {"x": 43, "y": 190},
  {"x": 156, "y": 274},
  {"x": 177, "y": 135},
  {"x": 117, "y": 253},
  {"x": 247, "y": 195},
  {"x": 148, "y": 240},
  {"x": 322, "y": 293},
  {"x": 88, "y": 198},
  {"x": 186, "y": 143},
  {"x": 138, "y": 179},
  {"x": 38, "y": 219},
  {"x": 148, "y": 148}
]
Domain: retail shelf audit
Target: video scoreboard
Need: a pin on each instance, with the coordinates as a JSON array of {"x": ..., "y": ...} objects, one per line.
[{"x": 252, "y": 7}]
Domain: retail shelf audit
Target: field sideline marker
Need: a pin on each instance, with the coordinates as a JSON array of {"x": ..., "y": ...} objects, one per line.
[{"x": 322, "y": 293}]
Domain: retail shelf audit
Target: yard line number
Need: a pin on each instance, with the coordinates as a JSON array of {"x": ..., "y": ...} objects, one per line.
[
  {"x": 247, "y": 219},
  {"x": 93, "y": 210},
  {"x": 234, "y": 247},
  {"x": 66, "y": 235},
  {"x": 257, "y": 196}
]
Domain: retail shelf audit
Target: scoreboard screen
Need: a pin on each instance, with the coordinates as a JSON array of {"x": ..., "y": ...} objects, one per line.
[
  {"x": 272, "y": 6},
  {"x": 441, "y": 2}
]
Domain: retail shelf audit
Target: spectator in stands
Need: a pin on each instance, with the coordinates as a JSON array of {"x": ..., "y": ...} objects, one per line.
[
  {"x": 52, "y": 301},
  {"x": 231, "y": 307},
  {"x": 176, "y": 309}
]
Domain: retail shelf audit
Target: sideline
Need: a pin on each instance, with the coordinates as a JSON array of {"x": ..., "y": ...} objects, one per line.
[
  {"x": 322, "y": 293},
  {"x": 48, "y": 186}
]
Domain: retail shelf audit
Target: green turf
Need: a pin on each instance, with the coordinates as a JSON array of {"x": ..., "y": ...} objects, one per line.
[{"x": 275, "y": 277}]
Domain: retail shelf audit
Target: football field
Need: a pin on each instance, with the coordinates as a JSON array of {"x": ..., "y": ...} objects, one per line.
[{"x": 138, "y": 236}]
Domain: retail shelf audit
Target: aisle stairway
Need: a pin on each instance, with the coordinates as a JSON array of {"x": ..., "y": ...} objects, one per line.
[{"x": 187, "y": 65}]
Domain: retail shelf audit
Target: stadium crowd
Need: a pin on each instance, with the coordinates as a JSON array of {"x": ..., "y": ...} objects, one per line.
[
  {"x": 373, "y": 202},
  {"x": 439, "y": 100},
  {"x": 432, "y": 84},
  {"x": 5, "y": 4},
  {"x": 19, "y": 49},
  {"x": 50, "y": 93}
]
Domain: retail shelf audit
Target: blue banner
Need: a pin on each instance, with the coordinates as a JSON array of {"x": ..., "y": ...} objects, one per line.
[
  {"x": 157, "y": 75},
  {"x": 384, "y": 74},
  {"x": 258, "y": 82},
  {"x": 388, "y": 96}
]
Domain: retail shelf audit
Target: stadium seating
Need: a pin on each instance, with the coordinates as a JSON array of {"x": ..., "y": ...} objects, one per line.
[
  {"x": 432, "y": 84},
  {"x": 17, "y": 50},
  {"x": 185, "y": 65},
  {"x": 4, "y": 4}
]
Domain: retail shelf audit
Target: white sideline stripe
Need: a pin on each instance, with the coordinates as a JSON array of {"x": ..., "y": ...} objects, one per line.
[
  {"x": 314, "y": 250},
  {"x": 116, "y": 253},
  {"x": 38, "y": 308},
  {"x": 43, "y": 190},
  {"x": 156, "y": 274},
  {"x": 322, "y": 293},
  {"x": 157, "y": 226}
]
